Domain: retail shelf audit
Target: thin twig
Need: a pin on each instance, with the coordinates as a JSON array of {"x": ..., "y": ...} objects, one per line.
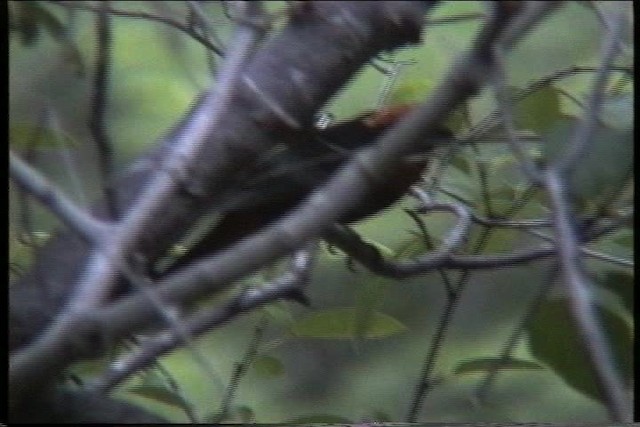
[
  {"x": 99, "y": 108},
  {"x": 444, "y": 274},
  {"x": 99, "y": 278},
  {"x": 201, "y": 20},
  {"x": 74, "y": 217},
  {"x": 494, "y": 118},
  {"x": 581, "y": 301},
  {"x": 459, "y": 232},
  {"x": 164, "y": 182},
  {"x": 451, "y": 19},
  {"x": 484, "y": 387},
  {"x": 288, "y": 286},
  {"x": 147, "y": 16},
  {"x": 607, "y": 258},
  {"x": 584, "y": 133},
  {"x": 576, "y": 281},
  {"x": 240, "y": 369},
  {"x": 588, "y": 252},
  {"x": 506, "y": 108}
]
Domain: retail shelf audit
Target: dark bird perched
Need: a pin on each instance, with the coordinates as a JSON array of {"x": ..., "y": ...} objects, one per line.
[{"x": 304, "y": 161}]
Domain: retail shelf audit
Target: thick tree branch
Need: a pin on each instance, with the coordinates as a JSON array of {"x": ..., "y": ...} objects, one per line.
[{"x": 286, "y": 82}]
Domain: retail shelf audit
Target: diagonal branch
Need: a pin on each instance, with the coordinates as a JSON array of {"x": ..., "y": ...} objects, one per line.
[
  {"x": 286, "y": 81},
  {"x": 74, "y": 217}
]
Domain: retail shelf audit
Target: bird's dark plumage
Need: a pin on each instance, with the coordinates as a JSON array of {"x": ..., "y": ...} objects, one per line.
[{"x": 304, "y": 162}]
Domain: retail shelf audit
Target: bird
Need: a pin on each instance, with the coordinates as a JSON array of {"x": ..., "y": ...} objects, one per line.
[{"x": 302, "y": 163}]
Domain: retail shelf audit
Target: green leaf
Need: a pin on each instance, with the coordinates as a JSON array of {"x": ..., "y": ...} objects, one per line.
[
  {"x": 341, "y": 323},
  {"x": 413, "y": 246},
  {"x": 242, "y": 414},
  {"x": 501, "y": 240},
  {"x": 463, "y": 163},
  {"x": 411, "y": 91},
  {"x": 605, "y": 165},
  {"x": 505, "y": 173},
  {"x": 554, "y": 340},
  {"x": 490, "y": 363},
  {"x": 462, "y": 185},
  {"x": 268, "y": 366},
  {"x": 384, "y": 250},
  {"x": 91, "y": 368},
  {"x": 159, "y": 393},
  {"x": 154, "y": 387},
  {"x": 24, "y": 135},
  {"x": 620, "y": 283},
  {"x": 280, "y": 313},
  {"x": 539, "y": 111},
  {"x": 571, "y": 36},
  {"x": 625, "y": 238},
  {"x": 369, "y": 296}
]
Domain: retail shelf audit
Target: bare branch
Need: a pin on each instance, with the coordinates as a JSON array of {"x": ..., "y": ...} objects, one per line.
[
  {"x": 482, "y": 390},
  {"x": 577, "y": 283},
  {"x": 584, "y": 133},
  {"x": 368, "y": 256},
  {"x": 146, "y": 16},
  {"x": 288, "y": 286},
  {"x": 99, "y": 108},
  {"x": 101, "y": 271},
  {"x": 74, "y": 217},
  {"x": 506, "y": 107},
  {"x": 582, "y": 304}
]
